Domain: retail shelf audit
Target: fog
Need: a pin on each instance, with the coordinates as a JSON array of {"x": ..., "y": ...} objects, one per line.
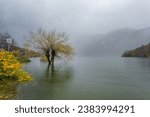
[{"x": 79, "y": 18}]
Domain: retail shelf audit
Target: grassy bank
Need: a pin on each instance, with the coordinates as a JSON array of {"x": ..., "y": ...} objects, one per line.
[{"x": 8, "y": 89}]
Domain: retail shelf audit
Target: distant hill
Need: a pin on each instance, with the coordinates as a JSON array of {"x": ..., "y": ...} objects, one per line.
[
  {"x": 143, "y": 51},
  {"x": 114, "y": 43}
]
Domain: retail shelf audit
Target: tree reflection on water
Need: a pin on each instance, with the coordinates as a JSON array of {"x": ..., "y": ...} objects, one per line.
[
  {"x": 56, "y": 74},
  {"x": 49, "y": 82}
]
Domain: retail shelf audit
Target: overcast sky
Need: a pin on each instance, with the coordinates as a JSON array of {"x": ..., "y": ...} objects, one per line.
[{"x": 76, "y": 17}]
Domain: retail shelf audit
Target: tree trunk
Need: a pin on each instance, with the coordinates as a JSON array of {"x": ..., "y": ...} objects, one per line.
[
  {"x": 52, "y": 60},
  {"x": 53, "y": 54},
  {"x": 48, "y": 59}
]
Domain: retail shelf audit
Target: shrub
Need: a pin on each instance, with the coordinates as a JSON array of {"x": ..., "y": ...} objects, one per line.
[
  {"x": 10, "y": 67},
  {"x": 43, "y": 59},
  {"x": 23, "y": 59}
]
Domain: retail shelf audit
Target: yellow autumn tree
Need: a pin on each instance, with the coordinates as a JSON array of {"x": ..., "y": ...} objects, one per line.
[
  {"x": 52, "y": 44},
  {"x": 10, "y": 67}
]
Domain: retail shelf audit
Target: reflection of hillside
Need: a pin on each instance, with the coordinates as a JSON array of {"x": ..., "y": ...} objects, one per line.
[
  {"x": 142, "y": 63},
  {"x": 8, "y": 89}
]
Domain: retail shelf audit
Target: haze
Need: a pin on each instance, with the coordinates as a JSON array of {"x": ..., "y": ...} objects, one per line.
[{"x": 76, "y": 17}]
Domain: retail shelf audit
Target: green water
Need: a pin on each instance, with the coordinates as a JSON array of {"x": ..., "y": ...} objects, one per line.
[{"x": 88, "y": 78}]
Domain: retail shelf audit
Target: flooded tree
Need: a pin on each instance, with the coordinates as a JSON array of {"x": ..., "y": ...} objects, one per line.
[{"x": 51, "y": 44}]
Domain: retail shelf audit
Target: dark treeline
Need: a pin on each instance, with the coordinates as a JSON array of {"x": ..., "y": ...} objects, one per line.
[{"x": 143, "y": 51}]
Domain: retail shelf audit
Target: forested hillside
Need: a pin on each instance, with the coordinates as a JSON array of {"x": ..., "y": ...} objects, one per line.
[{"x": 143, "y": 51}]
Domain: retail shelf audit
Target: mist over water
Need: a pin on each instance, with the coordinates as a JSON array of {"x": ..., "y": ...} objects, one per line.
[
  {"x": 79, "y": 18},
  {"x": 88, "y": 78}
]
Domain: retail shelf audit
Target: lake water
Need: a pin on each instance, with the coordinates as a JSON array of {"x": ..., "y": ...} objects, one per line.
[{"x": 88, "y": 78}]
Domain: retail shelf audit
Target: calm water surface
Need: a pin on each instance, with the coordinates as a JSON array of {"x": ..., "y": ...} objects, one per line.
[{"x": 88, "y": 78}]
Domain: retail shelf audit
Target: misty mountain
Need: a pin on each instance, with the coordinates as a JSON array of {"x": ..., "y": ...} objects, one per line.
[{"x": 114, "y": 43}]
